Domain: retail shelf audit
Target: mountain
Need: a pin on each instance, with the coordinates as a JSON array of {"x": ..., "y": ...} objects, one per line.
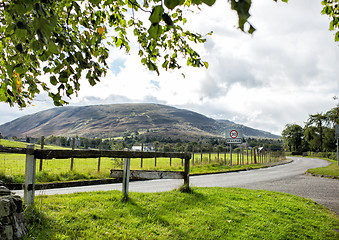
[{"x": 116, "y": 120}]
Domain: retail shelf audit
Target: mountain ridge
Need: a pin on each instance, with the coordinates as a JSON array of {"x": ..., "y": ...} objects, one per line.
[{"x": 115, "y": 120}]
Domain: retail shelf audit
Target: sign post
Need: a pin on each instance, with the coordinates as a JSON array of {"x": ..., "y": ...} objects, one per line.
[
  {"x": 337, "y": 138},
  {"x": 233, "y": 136}
]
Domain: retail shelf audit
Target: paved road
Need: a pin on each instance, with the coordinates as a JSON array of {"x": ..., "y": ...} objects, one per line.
[{"x": 287, "y": 178}]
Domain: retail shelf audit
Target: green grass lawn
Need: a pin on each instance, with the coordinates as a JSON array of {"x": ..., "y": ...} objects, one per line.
[{"x": 206, "y": 213}]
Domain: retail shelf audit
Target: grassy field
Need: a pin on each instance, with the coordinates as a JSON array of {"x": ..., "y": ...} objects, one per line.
[
  {"x": 9, "y": 143},
  {"x": 12, "y": 166},
  {"x": 205, "y": 213}
]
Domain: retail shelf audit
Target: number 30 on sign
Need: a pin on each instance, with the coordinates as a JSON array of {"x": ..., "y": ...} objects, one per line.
[{"x": 234, "y": 136}]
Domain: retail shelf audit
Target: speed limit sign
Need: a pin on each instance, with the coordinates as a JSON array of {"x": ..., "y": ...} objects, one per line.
[{"x": 234, "y": 136}]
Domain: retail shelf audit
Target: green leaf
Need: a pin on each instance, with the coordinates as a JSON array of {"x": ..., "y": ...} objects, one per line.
[
  {"x": 95, "y": 2},
  {"x": 53, "y": 48},
  {"x": 167, "y": 19},
  {"x": 209, "y": 2},
  {"x": 20, "y": 8},
  {"x": 69, "y": 91},
  {"x": 155, "y": 31},
  {"x": 171, "y": 4},
  {"x": 251, "y": 30},
  {"x": 197, "y": 2},
  {"x": 53, "y": 80},
  {"x": 19, "y": 69},
  {"x": 76, "y": 7},
  {"x": 19, "y": 47},
  {"x": 156, "y": 15},
  {"x": 63, "y": 76},
  {"x": 205, "y": 64},
  {"x": 21, "y": 33}
]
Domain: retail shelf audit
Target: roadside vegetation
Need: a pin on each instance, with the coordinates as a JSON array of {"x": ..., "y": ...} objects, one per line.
[
  {"x": 318, "y": 135},
  {"x": 205, "y": 213},
  {"x": 331, "y": 171}
]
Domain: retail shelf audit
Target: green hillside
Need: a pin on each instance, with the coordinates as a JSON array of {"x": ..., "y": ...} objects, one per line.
[{"x": 115, "y": 120}]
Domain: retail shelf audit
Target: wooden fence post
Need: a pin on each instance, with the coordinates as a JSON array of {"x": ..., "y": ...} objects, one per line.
[
  {"x": 99, "y": 158},
  {"x": 187, "y": 172},
  {"x": 247, "y": 154},
  {"x": 72, "y": 159},
  {"x": 125, "y": 178},
  {"x": 170, "y": 149},
  {"x": 141, "y": 159},
  {"x": 225, "y": 155},
  {"x": 42, "y": 147},
  {"x": 182, "y": 160},
  {"x": 254, "y": 156},
  {"x": 230, "y": 154},
  {"x": 30, "y": 168}
]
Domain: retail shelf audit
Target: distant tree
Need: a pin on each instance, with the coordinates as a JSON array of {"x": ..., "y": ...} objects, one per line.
[
  {"x": 156, "y": 146},
  {"x": 52, "y": 139},
  {"x": 318, "y": 120},
  {"x": 106, "y": 144},
  {"x": 329, "y": 139},
  {"x": 312, "y": 139},
  {"x": 318, "y": 133},
  {"x": 332, "y": 116},
  {"x": 292, "y": 137},
  {"x": 167, "y": 147},
  {"x": 63, "y": 141},
  {"x": 178, "y": 147},
  {"x": 220, "y": 148}
]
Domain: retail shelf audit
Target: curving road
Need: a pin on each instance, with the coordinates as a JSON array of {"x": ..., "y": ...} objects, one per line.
[{"x": 288, "y": 178}]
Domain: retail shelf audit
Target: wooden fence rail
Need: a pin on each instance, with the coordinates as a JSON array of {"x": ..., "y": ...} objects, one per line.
[
  {"x": 61, "y": 154},
  {"x": 33, "y": 154}
]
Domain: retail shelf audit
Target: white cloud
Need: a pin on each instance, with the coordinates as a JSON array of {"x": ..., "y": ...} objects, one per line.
[{"x": 285, "y": 71}]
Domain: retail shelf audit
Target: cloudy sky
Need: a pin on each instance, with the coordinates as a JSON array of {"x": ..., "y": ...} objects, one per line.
[{"x": 287, "y": 70}]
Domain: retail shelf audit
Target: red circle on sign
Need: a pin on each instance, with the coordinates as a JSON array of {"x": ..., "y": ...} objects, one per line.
[{"x": 233, "y": 134}]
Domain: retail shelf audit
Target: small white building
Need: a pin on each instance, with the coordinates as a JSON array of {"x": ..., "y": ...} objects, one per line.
[
  {"x": 139, "y": 148},
  {"x": 136, "y": 148}
]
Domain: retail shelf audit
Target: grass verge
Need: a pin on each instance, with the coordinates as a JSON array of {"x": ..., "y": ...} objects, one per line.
[
  {"x": 331, "y": 171},
  {"x": 204, "y": 213}
]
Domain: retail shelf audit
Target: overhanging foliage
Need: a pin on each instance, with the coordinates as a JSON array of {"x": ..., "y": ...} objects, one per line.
[{"x": 68, "y": 40}]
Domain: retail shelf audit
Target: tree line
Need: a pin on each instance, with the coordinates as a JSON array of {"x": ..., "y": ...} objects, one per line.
[
  {"x": 318, "y": 134},
  {"x": 173, "y": 145},
  {"x": 178, "y": 145}
]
